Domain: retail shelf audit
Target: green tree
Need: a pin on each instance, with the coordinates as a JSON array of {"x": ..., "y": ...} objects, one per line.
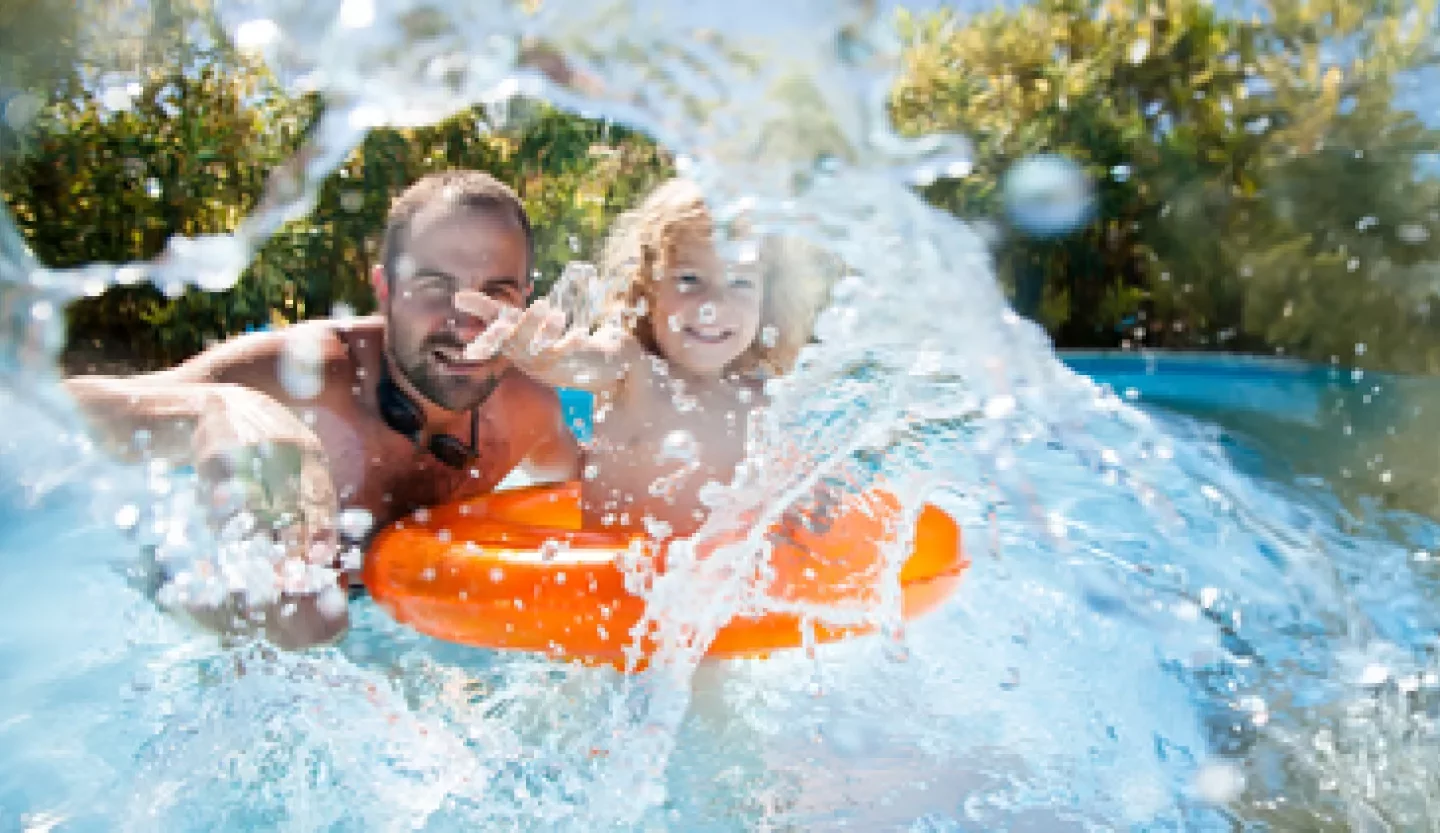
[
  {"x": 1255, "y": 179},
  {"x": 188, "y": 150}
]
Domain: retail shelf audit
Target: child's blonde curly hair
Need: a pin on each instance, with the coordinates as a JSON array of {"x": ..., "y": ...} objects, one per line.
[{"x": 797, "y": 277}]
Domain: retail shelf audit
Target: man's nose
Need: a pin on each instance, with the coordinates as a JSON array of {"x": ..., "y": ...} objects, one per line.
[
  {"x": 471, "y": 313},
  {"x": 468, "y": 324}
]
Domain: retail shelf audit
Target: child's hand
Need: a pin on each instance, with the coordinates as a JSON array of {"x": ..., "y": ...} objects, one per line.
[
  {"x": 536, "y": 340},
  {"x": 511, "y": 332}
]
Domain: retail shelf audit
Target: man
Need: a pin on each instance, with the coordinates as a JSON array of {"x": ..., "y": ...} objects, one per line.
[{"x": 378, "y": 416}]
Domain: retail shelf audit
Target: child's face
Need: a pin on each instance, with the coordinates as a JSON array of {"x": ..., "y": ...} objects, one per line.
[{"x": 706, "y": 314}]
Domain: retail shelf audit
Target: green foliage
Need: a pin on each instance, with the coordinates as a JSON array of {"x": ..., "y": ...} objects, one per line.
[
  {"x": 1256, "y": 179},
  {"x": 191, "y": 155}
]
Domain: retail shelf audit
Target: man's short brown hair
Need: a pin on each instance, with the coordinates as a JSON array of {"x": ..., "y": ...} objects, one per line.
[{"x": 473, "y": 190}]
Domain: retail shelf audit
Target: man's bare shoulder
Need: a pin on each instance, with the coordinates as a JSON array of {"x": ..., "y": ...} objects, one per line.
[
  {"x": 275, "y": 360},
  {"x": 522, "y": 397}
]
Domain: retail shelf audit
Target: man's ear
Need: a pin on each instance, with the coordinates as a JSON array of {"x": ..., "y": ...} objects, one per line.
[{"x": 380, "y": 282}]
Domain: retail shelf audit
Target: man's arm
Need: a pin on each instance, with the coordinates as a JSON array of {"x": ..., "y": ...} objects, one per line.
[{"x": 246, "y": 445}]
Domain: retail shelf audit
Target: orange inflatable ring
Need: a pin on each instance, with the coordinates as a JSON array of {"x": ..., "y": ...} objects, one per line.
[{"x": 489, "y": 572}]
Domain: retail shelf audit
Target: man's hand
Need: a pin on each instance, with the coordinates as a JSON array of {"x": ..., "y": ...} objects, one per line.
[{"x": 271, "y": 503}]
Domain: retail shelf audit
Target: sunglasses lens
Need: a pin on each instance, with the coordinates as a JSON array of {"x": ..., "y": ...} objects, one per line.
[{"x": 450, "y": 451}]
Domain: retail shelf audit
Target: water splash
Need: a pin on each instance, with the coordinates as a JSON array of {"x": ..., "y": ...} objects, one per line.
[{"x": 1097, "y": 529}]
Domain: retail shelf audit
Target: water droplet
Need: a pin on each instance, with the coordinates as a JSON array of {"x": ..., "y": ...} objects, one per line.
[
  {"x": 22, "y": 109},
  {"x": 591, "y": 471},
  {"x": 1412, "y": 233},
  {"x": 999, "y": 407},
  {"x": 1139, "y": 50},
  {"x": 1120, "y": 173},
  {"x": 354, "y": 524},
  {"x": 707, "y": 314},
  {"x": 117, "y": 98},
  {"x": 656, "y": 528},
  {"x": 1219, "y": 783},
  {"x": 127, "y": 517},
  {"x": 674, "y": 323},
  {"x": 254, "y": 35},
  {"x": 678, "y": 446},
  {"x": 497, "y": 575},
  {"x": 1047, "y": 195},
  {"x": 357, "y": 14},
  {"x": 769, "y": 335},
  {"x": 302, "y": 363}
]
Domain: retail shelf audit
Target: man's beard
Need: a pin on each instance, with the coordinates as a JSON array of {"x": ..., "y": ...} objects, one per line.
[{"x": 449, "y": 394}]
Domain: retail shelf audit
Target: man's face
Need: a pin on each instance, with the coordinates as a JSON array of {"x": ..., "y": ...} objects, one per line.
[{"x": 451, "y": 249}]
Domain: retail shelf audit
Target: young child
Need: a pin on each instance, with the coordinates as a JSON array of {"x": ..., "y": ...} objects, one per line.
[{"x": 679, "y": 363}]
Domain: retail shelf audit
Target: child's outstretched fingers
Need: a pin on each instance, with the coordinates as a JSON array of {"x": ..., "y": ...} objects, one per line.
[
  {"x": 498, "y": 333},
  {"x": 478, "y": 304}
]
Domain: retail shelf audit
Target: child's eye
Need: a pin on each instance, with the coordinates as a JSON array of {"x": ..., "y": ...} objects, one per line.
[{"x": 687, "y": 278}]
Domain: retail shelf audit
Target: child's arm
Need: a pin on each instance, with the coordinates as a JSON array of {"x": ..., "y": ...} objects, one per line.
[{"x": 535, "y": 340}]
